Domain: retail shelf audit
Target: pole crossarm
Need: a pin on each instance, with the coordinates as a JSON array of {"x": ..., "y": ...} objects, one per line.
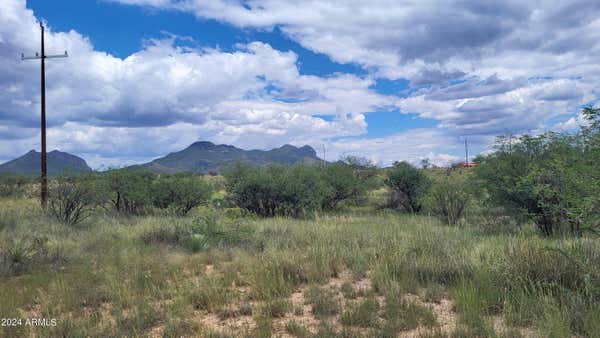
[
  {"x": 57, "y": 56},
  {"x": 37, "y": 56}
]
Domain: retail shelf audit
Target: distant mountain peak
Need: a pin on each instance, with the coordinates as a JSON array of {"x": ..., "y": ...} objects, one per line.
[
  {"x": 202, "y": 144},
  {"x": 58, "y": 163},
  {"x": 204, "y": 157},
  {"x": 310, "y": 151}
]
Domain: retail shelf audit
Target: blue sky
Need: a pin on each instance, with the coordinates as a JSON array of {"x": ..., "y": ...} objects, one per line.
[
  {"x": 405, "y": 82},
  {"x": 121, "y": 30}
]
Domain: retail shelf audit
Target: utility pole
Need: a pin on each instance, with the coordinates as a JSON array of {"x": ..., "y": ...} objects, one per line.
[
  {"x": 466, "y": 152},
  {"x": 42, "y": 57}
]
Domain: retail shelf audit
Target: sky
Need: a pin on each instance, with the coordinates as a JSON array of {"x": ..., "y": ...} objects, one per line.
[{"x": 389, "y": 80}]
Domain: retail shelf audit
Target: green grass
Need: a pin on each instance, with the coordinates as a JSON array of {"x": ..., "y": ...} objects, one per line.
[
  {"x": 126, "y": 276},
  {"x": 364, "y": 314},
  {"x": 324, "y": 302},
  {"x": 296, "y": 329},
  {"x": 402, "y": 315}
]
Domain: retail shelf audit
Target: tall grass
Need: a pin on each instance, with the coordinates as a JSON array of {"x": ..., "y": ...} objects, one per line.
[{"x": 129, "y": 275}]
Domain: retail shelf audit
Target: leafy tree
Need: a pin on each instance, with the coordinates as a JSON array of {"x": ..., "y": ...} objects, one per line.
[
  {"x": 253, "y": 189},
  {"x": 357, "y": 162},
  {"x": 71, "y": 199},
  {"x": 303, "y": 190},
  {"x": 128, "y": 191},
  {"x": 345, "y": 183},
  {"x": 364, "y": 169},
  {"x": 408, "y": 186},
  {"x": 180, "y": 193}
]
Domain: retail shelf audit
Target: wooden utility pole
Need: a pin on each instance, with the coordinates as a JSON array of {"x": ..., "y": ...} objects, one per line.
[{"x": 42, "y": 56}]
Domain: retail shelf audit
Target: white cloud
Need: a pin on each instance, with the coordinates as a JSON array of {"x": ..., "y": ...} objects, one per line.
[
  {"x": 524, "y": 63},
  {"x": 166, "y": 96},
  {"x": 398, "y": 37},
  {"x": 480, "y": 68},
  {"x": 411, "y": 145}
]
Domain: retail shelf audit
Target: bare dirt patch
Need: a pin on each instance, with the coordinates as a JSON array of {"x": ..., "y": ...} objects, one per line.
[{"x": 301, "y": 312}]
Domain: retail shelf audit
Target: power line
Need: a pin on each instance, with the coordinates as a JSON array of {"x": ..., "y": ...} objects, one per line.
[{"x": 42, "y": 57}]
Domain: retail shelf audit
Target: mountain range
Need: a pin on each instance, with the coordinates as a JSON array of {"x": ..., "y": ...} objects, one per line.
[
  {"x": 199, "y": 157},
  {"x": 204, "y": 157}
]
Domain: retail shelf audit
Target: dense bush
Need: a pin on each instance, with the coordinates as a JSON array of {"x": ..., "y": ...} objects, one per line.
[
  {"x": 72, "y": 198},
  {"x": 253, "y": 189},
  {"x": 179, "y": 193},
  {"x": 553, "y": 179},
  {"x": 13, "y": 185},
  {"x": 128, "y": 191},
  {"x": 408, "y": 186},
  {"x": 448, "y": 200},
  {"x": 344, "y": 183},
  {"x": 296, "y": 190}
]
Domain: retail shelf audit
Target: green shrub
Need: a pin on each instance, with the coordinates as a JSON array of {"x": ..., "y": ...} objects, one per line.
[
  {"x": 180, "y": 193},
  {"x": 302, "y": 190},
  {"x": 13, "y": 185},
  {"x": 294, "y": 191},
  {"x": 365, "y": 170},
  {"x": 408, "y": 186},
  {"x": 345, "y": 184},
  {"x": 551, "y": 179},
  {"x": 128, "y": 191},
  {"x": 71, "y": 199},
  {"x": 297, "y": 190},
  {"x": 448, "y": 200}
]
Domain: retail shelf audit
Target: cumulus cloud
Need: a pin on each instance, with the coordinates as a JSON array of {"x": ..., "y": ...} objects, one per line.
[
  {"x": 479, "y": 68},
  {"x": 412, "y": 146},
  {"x": 485, "y": 66},
  {"x": 398, "y": 36},
  {"x": 498, "y": 106},
  {"x": 166, "y": 96}
]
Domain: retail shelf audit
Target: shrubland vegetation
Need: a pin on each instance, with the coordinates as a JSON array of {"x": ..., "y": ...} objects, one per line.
[
  {"x": 552, "y": 179},
  {"x": 296, "y": 191},
  {"x": 506, "y": 249}
]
